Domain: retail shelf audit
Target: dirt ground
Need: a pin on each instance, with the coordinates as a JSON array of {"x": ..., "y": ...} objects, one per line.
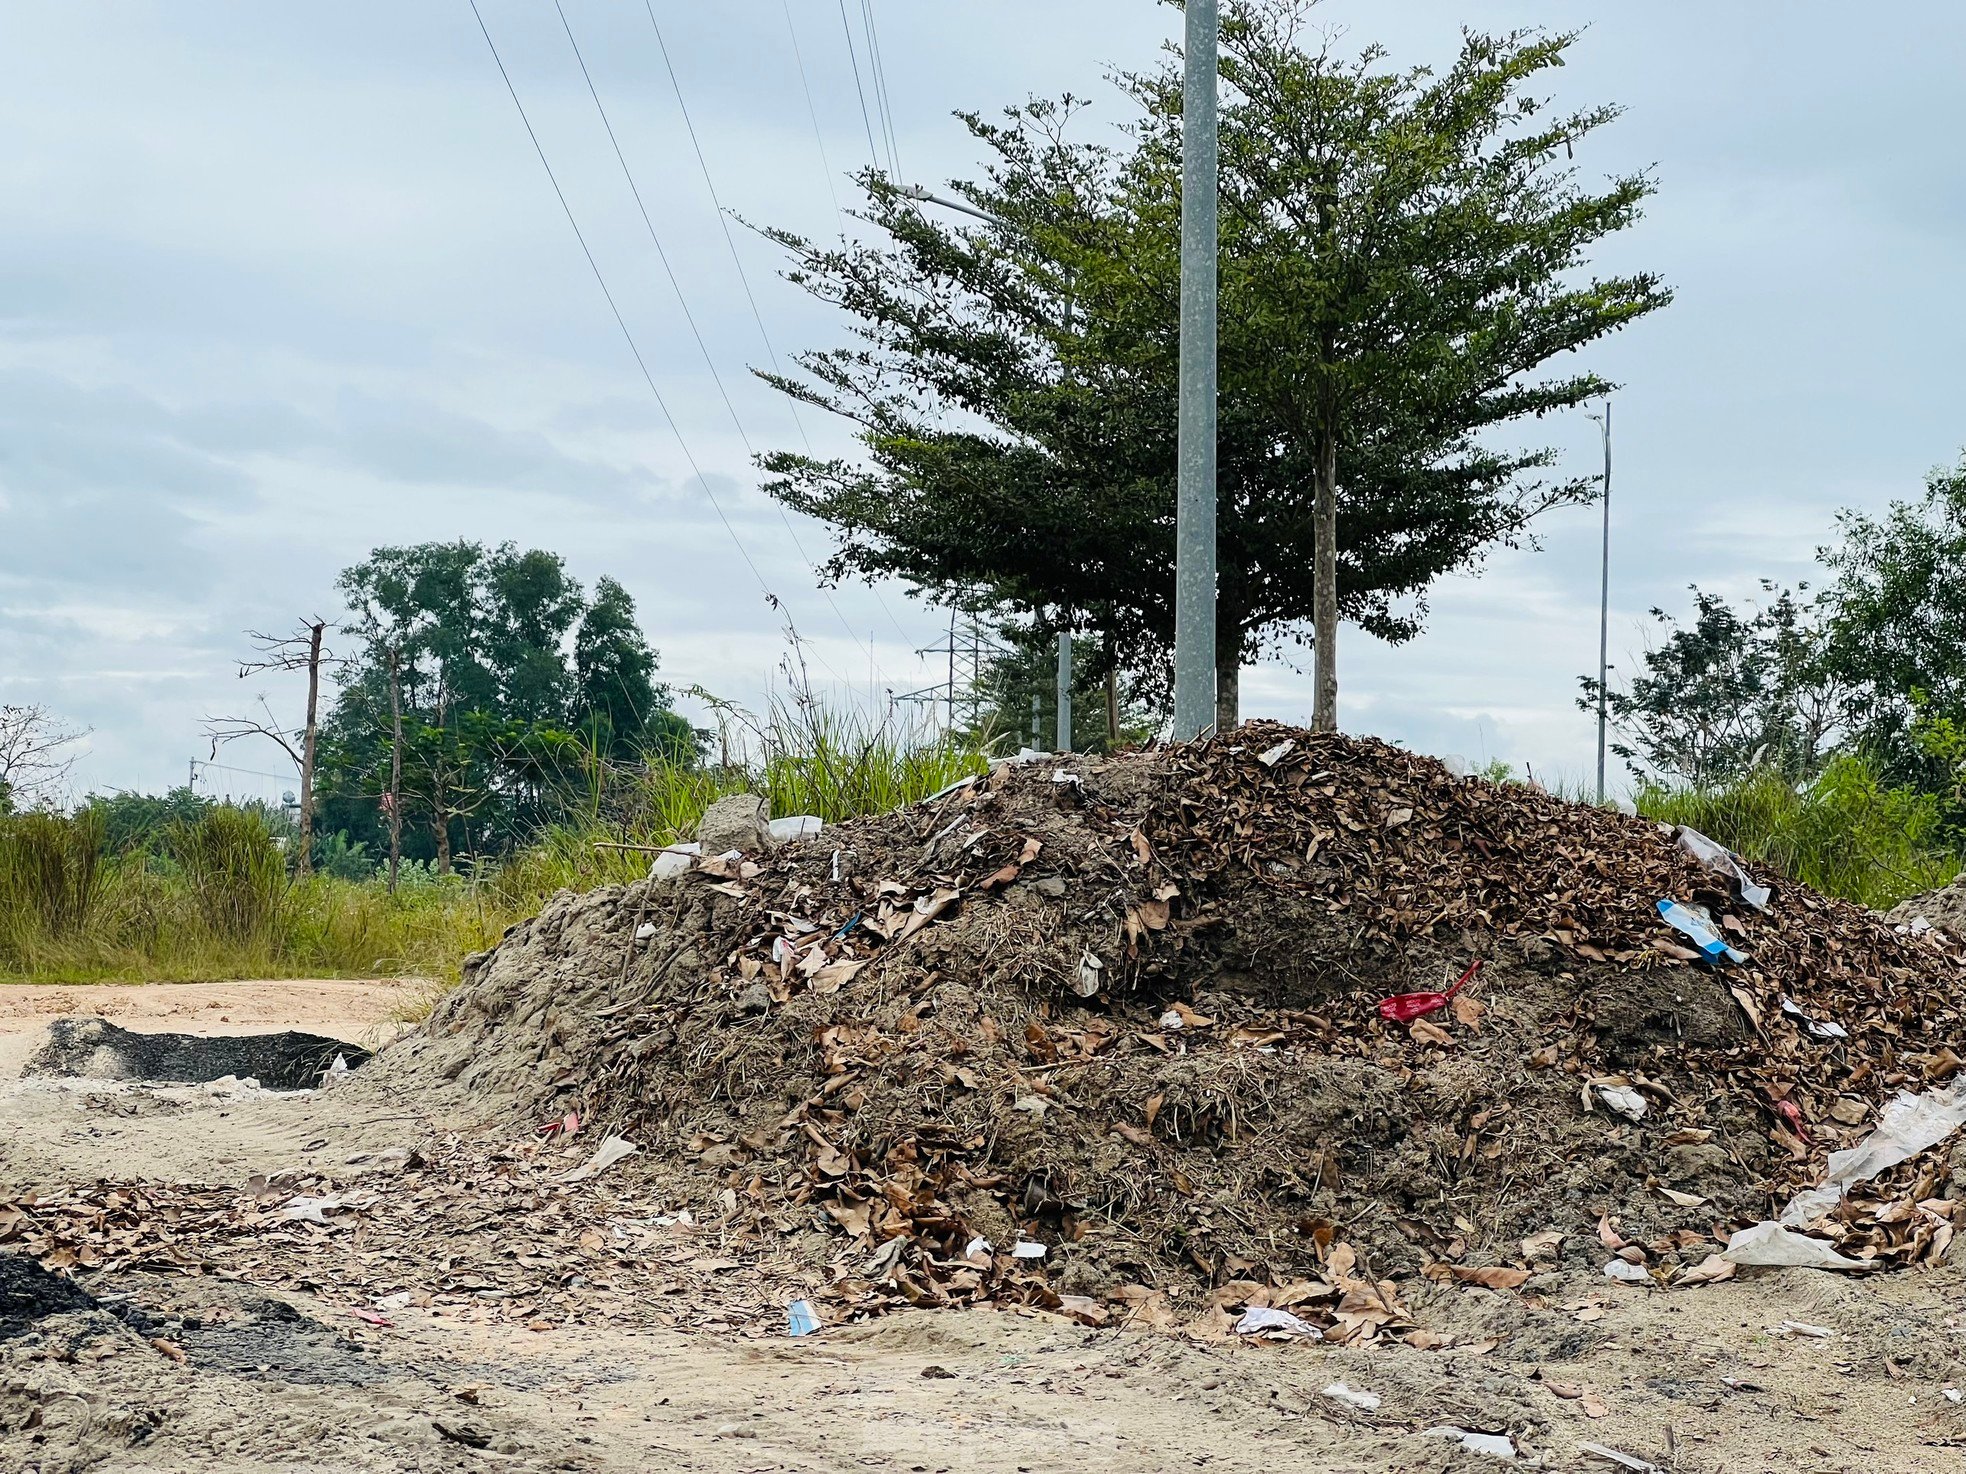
[{"x": 212, "y": 1373}]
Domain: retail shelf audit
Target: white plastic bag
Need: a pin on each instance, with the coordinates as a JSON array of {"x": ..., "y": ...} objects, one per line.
[
  {"x": 1719, "y": 857},
  {"x": 1771, "y": 1245}
]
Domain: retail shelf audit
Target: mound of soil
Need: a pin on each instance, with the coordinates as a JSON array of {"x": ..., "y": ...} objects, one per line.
[
  {"x": 95, "y": 1049},
  {"x": 1074, "y": 1035},
  {"x": 1944, "y": 907}
]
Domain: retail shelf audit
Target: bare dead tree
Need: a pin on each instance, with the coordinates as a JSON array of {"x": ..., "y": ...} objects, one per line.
[
  {"x": 298, "y": 651},
  {"x": 36, "y": 753},
  {"x": 395, "y": 765}
]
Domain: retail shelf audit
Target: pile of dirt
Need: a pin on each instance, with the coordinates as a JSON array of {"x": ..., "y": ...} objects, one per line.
[
  {"x": 1073, "y": 1034},
  {"x": 1944, "y": 907}
]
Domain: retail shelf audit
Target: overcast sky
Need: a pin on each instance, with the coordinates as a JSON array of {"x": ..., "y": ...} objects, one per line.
[{"x": 279, "y": 284}]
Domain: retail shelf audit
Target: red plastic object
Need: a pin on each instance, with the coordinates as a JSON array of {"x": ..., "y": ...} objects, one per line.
[
  {"x": 1792, "y": 1113},
  {"x": 1404, "y": 1007}
]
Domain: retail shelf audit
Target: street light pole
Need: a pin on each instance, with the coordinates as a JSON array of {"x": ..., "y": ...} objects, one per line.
[
  {"x": 1604, "y": 605},
  {"x": 1194, "y": 557}
]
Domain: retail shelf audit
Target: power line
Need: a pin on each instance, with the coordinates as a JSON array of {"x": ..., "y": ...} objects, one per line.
[
  {"x": 812, "y": 112},
  {"x": 736, "y": 260},
  {"x": 879, "y": 72},
  {"x": 682, "y": 300},
  {"x": 846, "y": 28},
  {"x": 620, "y": 321}
]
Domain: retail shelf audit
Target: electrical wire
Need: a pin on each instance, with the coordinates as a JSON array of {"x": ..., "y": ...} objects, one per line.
[
  {"x": 690, "y": 317},
  {"x": 620, "y": 321},
  {"x": 881, "y": 97},
  {"x": 736, "y": 260},
  {"x": 866, "y": 120},
  {"x": 812, "y": 112}
]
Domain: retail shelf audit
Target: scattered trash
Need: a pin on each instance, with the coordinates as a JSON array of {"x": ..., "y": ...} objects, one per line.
[
  {"x": 1088, "y": 980},
  {"x": 797, "y": 826},
  {"x": 645, "y": 931},
  {"x": 371, "y": 1317},
  {"x": 1953, "y": 1394},
  {"x": 1498, "y": 1445},
  {"x": 1027, "y": 1249},
  {"x": 1626, "y": 1101},
  {"x": 1908, "y": 1125},
  {"x": 1769, "y": 1245},
  {"x": 979, "y": 1248},
  {"x": 800, "y": 1318},
  {"x": 1696, "y": 924},
  {"x": 1338, "y": 1391},
  {"x": 566, "y": 1126},
  {"x": 1719, "y": 857},
  {"x": 335, "y": 1073},
  {"x": 610, "y": 1151},
  {"x": 1622, "y": 1460},
  {"x": 1829, "y": 1030},
  {"x": 398, "y": 1301},
  {"x": 1278, "y": 753},
  {"x": 948, "y": 788},
  {"x": 1802, "y": 1328},
  {"x": 674, "y": 860},
  {"x": 1404, "y": 1007},
  {"x": 310, "y": 1210},
  {"x": 1264, "y": 1320},
  {"x": 1918, "y": 926},
  {"x": 1627, "y": 1272},
  {"x": 1063, "y": 779}
]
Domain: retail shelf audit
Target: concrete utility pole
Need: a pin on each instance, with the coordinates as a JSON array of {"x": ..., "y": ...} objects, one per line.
[
  {"x": 1194, "y": 567},
  {"x": 1604, "y": 604},
  {"x": 1064, "y": 690}
]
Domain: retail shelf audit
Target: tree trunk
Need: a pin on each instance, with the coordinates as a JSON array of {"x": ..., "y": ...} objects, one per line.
[
  {"x": 1324, "y": 712},
  {"x": 307, "y": 749},
  {"x": 395, "y": 769},
  {"x": 1228, "y": 673},
  {"x": 1112, "y": 710},
  {"x": 442, "y": 818}
]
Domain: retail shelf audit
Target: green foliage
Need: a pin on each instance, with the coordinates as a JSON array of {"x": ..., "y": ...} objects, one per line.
[
  {"x": 514, "y": 690},
  {"x": 1735, "y": 690},
  {"x": 335, "y": 854},
  {"x": 1896, "y": 631},
  {"x": 50, "y": 880},
  {"x": 1400, "y": 255},
  {"x": 143, "y": 822},
  {"x": 235, "y": 872},
  {"x": 1845, "y": 832}
]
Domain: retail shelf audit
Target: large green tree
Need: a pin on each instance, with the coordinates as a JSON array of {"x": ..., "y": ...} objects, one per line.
[
  {"x": 483, "y": 693},
  {"x": 1897, "y": 621},
  {"x": 1401, "y": 254}
]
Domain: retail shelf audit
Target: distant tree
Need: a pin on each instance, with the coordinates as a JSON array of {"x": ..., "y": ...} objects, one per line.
[
  {"x": 1734, "y": 690},
  {"x": 1896, "y": 626},
  {"x": 142, "y": 822},
  {"x": 617, "y": 698},
  {"x": 37, "y": 750},
  {"x": 300, "y": 651}
]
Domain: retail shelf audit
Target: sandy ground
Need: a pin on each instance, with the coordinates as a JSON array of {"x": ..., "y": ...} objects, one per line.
[{"x": 221, "y": 1376}]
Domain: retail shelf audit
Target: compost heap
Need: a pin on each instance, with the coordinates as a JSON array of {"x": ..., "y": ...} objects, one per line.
[{"x": 1085, "y": 1030}]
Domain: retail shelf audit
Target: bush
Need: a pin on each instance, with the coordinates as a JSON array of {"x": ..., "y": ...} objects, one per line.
[
  {"x": 1844, "y": 833},
  {"x": 50, "y": 878},
  {"x": 235, "y": 870}
]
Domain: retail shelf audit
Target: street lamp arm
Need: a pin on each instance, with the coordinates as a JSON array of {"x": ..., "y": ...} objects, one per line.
[{"x": 929, "y": 197}]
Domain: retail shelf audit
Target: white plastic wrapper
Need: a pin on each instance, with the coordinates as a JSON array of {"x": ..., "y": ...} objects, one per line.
[
  {"x": 1773, "y": 1246},
  {"x": 797, "y": 826},
  {"x": 1719, "y": 857},
  {"x": 1259, "y": 1319}
]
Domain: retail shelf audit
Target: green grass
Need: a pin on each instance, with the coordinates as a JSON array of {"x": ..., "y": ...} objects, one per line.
[
  {"x": 218, "y": 903},
  {"x": 1844, "y": 833}
]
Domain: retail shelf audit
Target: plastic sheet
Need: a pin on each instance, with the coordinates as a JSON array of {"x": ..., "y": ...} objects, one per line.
[
  {"x": 1769, "y": 1245},
  {"x": 1694, "y": 924},
  {"x": 1719, "y": 857}
]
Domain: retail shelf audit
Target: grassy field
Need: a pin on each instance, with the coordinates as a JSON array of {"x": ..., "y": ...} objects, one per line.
[{"x": 213, "y": 898}]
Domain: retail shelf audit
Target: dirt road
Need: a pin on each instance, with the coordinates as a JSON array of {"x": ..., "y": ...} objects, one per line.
[{"x": 215, "y": 1373}]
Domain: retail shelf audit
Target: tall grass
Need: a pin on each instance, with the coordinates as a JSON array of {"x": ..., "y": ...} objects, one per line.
[
  {"x": 217, "y": 902},
  {"x": 1845, "y": 833}
]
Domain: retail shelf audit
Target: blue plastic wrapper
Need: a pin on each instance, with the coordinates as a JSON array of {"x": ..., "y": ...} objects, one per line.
[
  {"x": 800, "y": 1318},
  {"x": 1695, "y": 926}
]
